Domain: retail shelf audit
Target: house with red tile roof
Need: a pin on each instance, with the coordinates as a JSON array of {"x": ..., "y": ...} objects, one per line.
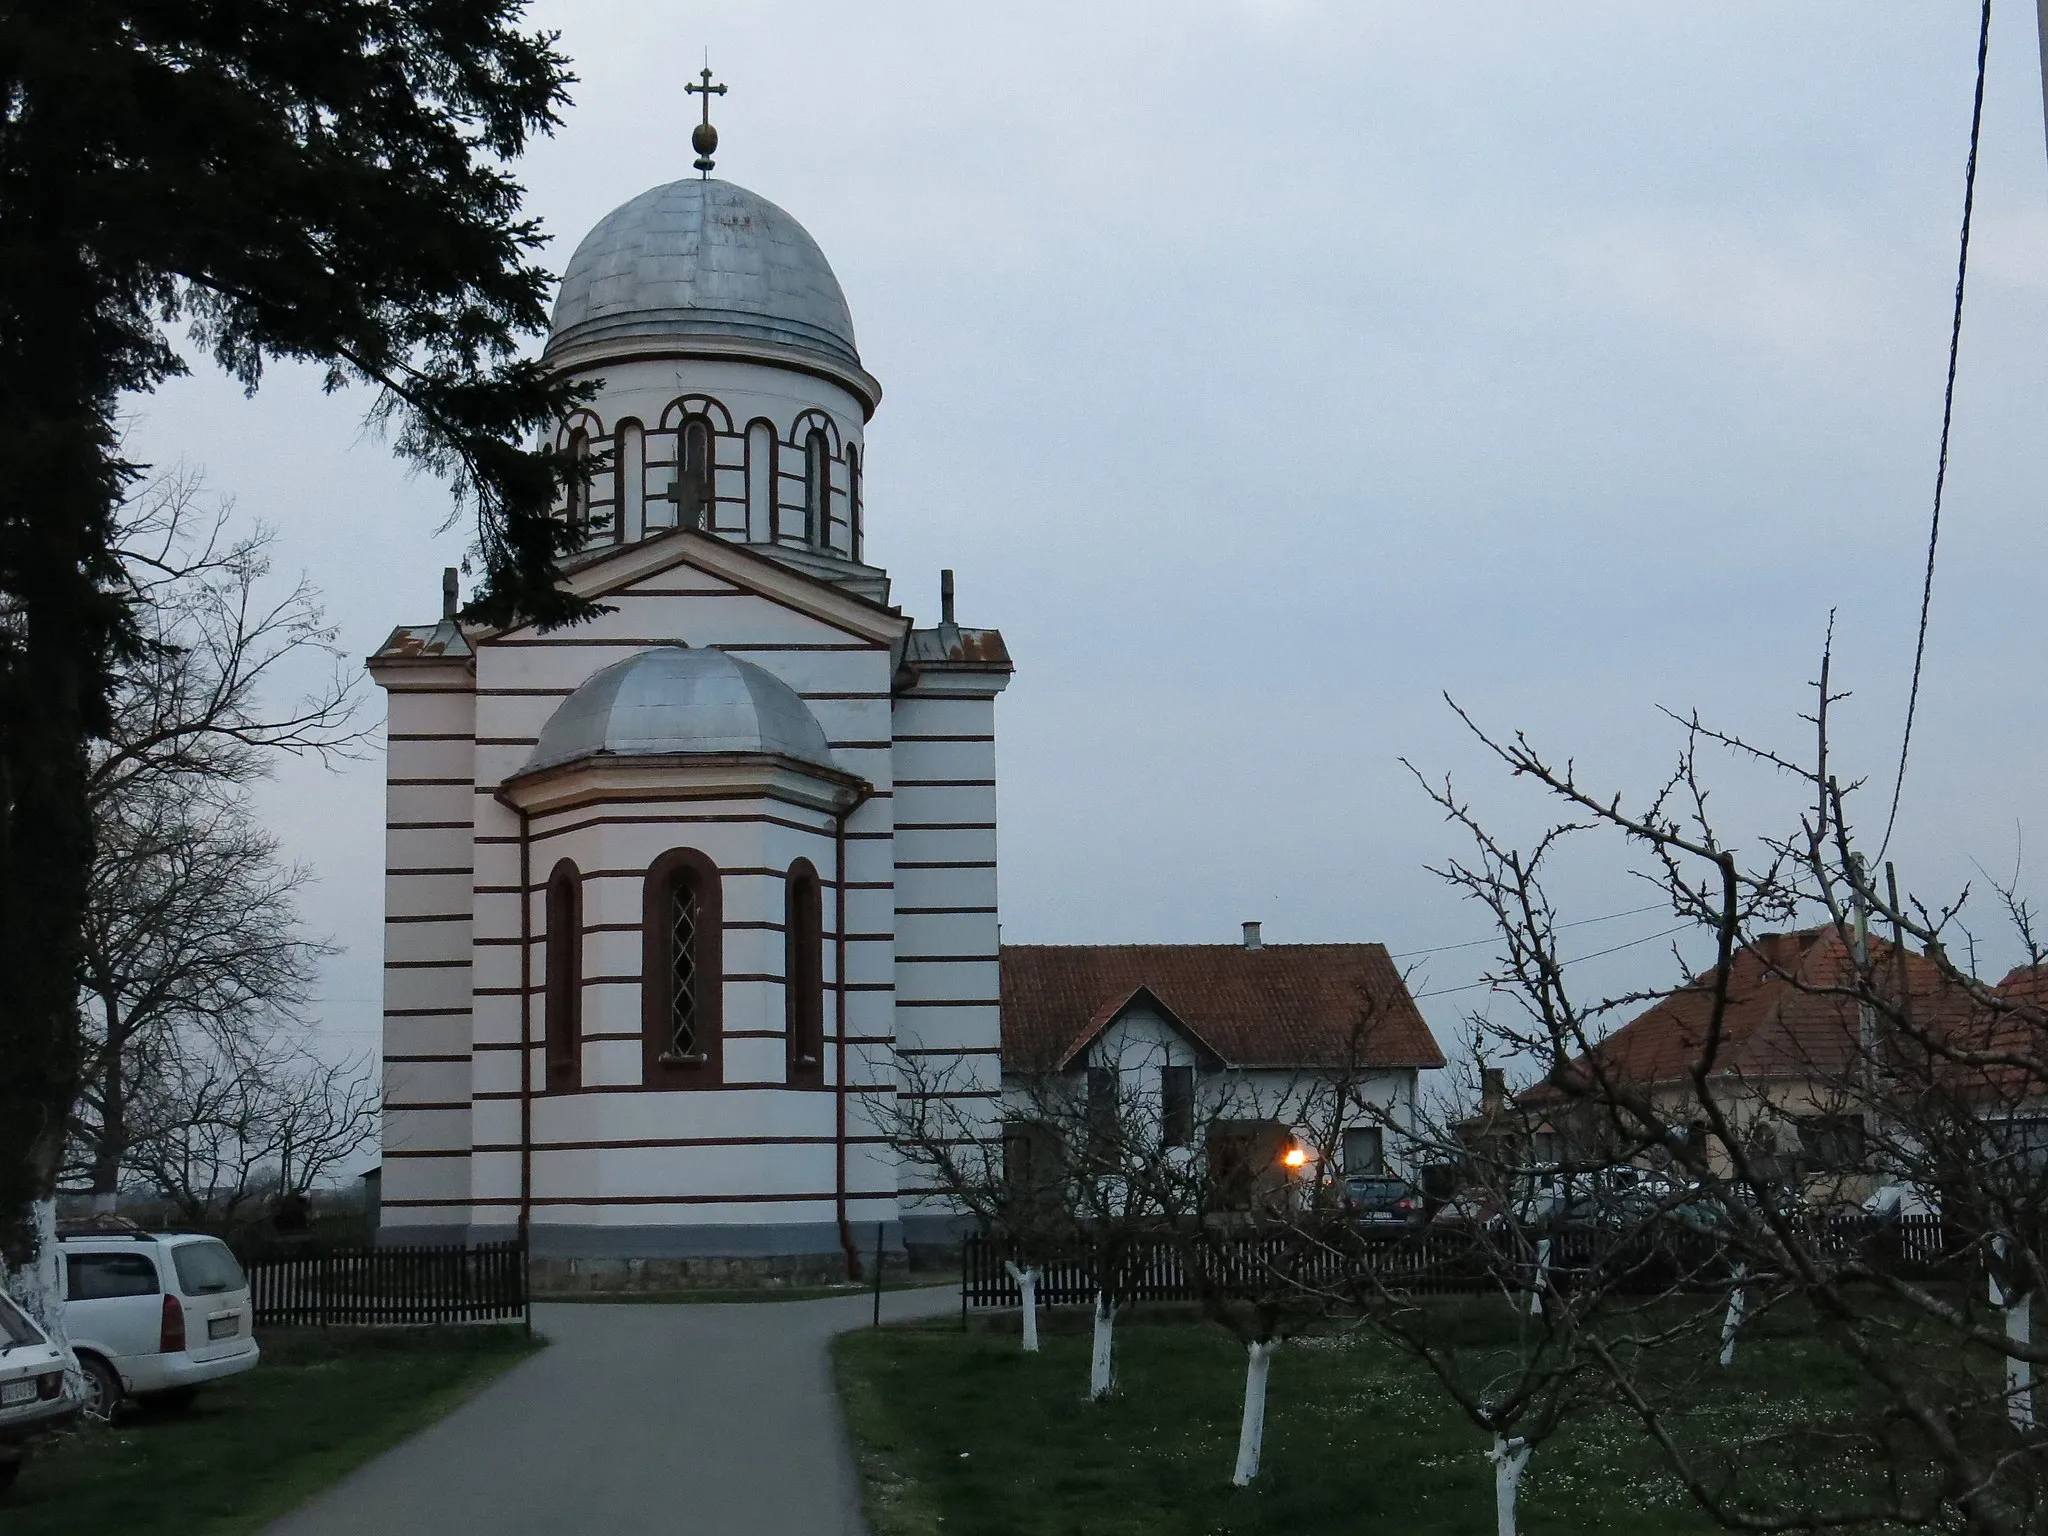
[
  {"x": 1786, "y": 1053},
  {"x": 1214, "y": 1034}
]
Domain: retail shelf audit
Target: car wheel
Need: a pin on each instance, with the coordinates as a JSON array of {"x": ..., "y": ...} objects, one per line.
[{"x": 103, "y": 1389}]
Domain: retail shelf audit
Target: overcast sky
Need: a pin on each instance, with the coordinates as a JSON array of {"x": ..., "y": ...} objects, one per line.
[{"x": 1266, "y": 371}]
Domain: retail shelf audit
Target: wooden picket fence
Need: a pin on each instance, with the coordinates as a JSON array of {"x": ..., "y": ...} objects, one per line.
[
  {"x": 1424, "y": 1260},
  {"x": 390, "y": 1287}
]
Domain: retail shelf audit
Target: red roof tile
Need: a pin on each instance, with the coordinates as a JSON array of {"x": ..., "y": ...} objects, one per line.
[
  {"x": 1782, "y": 1019},
  {"x": 1286, "y": 1005}
]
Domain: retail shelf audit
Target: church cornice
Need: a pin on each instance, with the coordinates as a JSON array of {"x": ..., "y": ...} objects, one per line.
[
  {"x": 630, "y": 564},
  {"x": 656, "y": 778}
]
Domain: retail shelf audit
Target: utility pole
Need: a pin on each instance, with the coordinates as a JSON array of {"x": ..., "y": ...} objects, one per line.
[{"x": 2041, "y": 7}]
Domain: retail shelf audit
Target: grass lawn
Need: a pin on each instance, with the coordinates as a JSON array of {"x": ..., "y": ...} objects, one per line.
[
  {"x": 738, "y": 1293},
  {"x": 257, "y": 1444},
  {"x": 962, "y": 1432}
]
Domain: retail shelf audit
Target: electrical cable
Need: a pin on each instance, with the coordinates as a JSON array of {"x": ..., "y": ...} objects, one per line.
[
  {"x": 1576, "y": 959},
  {"x": 1444, "y": 949},
  {"x": 1948, "y": 408}
]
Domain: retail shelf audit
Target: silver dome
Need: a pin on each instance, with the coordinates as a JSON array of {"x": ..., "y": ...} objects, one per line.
[
  {"x": 702, "y": 258},
  {"x": 674, "y": 699}
]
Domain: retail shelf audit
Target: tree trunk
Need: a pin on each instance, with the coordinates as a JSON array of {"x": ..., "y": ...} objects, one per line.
[
  {"x": 1542, "y": 1277},
  {"x": 1731, "y": 1320},
  {"x": 1251, "y": 1432},
  {"x": 35, "y": 1285},
  {"x": 108, "y": 1151},
  {"x": 2019, "y": 1373},
  {"x": 1099, "y": 1380},
  {"x": 1027, "y": 1283},
  {"x": 1508, "y": 1458}
]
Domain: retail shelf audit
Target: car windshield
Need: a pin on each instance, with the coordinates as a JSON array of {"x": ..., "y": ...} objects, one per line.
[
  {"x": 1376, "y": 1189},
  {"x": 15, "y": 1327},
  {"x": 207, "y": 1268}
]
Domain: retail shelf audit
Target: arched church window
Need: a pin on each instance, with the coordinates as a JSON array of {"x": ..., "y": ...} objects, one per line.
[
  {"x": 682, "y": 980},
  {"x": 761, "y": 467},
  {"x": 817, "y": 488},
  {"x": 803, "y": 972},
  {"x": 564, "y": 990},
  {"x": 695, "y": 479},
  {"x": 629, "y": 515},
  {"x": 853, "y": 536},
  {"x": 579, "y": 486}
]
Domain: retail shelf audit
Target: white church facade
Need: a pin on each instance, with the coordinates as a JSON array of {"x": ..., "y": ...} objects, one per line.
[{"x": 672, "y": 895}]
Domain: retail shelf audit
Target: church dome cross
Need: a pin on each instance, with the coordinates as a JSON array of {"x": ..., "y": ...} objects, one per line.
[{"x": 704, "y": 137}]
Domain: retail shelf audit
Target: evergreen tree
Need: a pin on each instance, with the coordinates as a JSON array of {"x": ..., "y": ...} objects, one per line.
[{"x": 319, "y": 180}]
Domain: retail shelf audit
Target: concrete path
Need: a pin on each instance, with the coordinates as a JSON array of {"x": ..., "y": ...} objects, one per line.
[{"x": 712, "y": 1420}]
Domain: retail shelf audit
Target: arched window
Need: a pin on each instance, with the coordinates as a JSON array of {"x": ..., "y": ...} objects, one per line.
[
  {"x": 853, "y": 501},
  {"x": 682, "y": 976},
  {"x": 564, "y": 994},
  {"x": 761, "y": 455},
  {"x": 695, "y": 479},
  {"x": 803, "y": 972},
  {"x": 630, "y": 469},
  {"x": 579, "y": 487},
  {"x": 817, "y": 488}
]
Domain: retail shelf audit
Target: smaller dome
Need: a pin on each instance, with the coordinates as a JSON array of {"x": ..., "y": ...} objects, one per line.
[{"x": 675, "y": 699}]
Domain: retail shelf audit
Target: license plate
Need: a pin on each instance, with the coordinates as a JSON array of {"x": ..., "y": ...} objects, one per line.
[
  {"x": 17, "y": 1392},
  {"x": 225, "y": 1327}
]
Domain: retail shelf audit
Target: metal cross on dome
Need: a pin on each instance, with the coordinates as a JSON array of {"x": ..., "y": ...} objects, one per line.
[{"x": 704, "y": 137}]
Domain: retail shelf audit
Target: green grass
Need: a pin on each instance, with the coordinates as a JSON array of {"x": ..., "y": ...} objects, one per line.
[
  {"x": 255, "y": 1445},
  {"x": 962, "y": 1432}
]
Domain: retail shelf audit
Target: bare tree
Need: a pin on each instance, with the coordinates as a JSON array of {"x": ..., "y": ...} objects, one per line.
[
  {"x": 1932, "y": 1079},
  {"x": 192, "y": 943},
  {"x": 227, "y": 1125}
]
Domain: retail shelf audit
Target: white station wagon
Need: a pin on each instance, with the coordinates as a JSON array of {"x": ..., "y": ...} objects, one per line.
[
  {"x": 32, "y": 1397},
  {"x": 154, "y": 1315}
]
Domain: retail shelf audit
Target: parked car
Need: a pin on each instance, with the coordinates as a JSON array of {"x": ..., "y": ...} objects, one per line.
[
  {"x": 32, "y": 1397},
  {"x": 154, "y": 1315},
  {"x": 1376, "y": 1200}
]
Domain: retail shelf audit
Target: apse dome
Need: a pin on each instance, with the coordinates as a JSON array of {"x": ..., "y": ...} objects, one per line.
[
  {"x": 702, "y": 260},
  {"x": 675, "y": 700}
]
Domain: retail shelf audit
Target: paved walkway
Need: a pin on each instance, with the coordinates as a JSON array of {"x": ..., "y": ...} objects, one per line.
[{"x": 713, "y": 1420}]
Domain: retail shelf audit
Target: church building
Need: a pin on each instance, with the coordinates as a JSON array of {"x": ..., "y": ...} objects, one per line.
[{"x": 673, "y": 895}]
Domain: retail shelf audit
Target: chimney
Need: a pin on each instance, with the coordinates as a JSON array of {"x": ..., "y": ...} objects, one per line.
[
  {"x": 1251, "y": 937},
  {"x": 945, "y": 597},
  {"x": 449, "y": 592},
  {"x": 1493, "y": 1090}
]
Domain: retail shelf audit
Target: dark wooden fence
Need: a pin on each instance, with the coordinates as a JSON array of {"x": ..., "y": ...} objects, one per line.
[
  {"x": 1429, "y": 1260},
  {"x": 383, "y": 1287}
]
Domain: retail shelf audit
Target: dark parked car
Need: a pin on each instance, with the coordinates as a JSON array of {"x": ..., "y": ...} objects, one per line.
[{"x": 1378, "y": 1200}]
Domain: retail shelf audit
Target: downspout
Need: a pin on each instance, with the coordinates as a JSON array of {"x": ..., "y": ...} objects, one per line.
[
  {"x": 525, "y": 1015},
  {"x": 846, "y": 1241}
]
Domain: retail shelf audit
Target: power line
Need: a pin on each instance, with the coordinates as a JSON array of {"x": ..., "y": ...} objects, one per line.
[
  {"x": 1948, "y": 409},
  {"x": 1444, "y": 949},
  {"x": 1575, "y": 960}
]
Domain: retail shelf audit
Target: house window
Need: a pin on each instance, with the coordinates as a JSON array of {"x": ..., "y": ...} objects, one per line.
[
  {"x": 564, "y": 990},
  {"x": 853, "y": 535},
  {"x": 1102, "y": 1106},
  {"x": 1830, "y": 1143},
  {"x": 803, "y": 971},
  {"x": 1363, "y": 1151},
  {"x": 1177, "y": 1106},
  {"x": 695, "y": 475},
  {"x": 817, "y": 487},
  {"x": 682, "y": 979}
]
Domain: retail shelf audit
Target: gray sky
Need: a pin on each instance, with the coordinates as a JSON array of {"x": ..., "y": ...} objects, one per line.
[{"x": 1267, "y": 370}]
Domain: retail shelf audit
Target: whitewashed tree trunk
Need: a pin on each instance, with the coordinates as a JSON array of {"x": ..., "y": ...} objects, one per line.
[
  {"x": 1251, "y": 1434},
  {"x": 1027, "y": 1283},
  {"x": 2019, "y": 1373},
  {"x": 1731, "y": 1320},
  {"x": 1542, "y": 1277},
  {"x": 1508, "y": 1458},
  {"x": 1099, "y": 1360},
  {"x": 36, "y": 1288}
]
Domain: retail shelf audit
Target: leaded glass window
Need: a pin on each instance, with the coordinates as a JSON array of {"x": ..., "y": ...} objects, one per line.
[{"x": 682, "y": 972}]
